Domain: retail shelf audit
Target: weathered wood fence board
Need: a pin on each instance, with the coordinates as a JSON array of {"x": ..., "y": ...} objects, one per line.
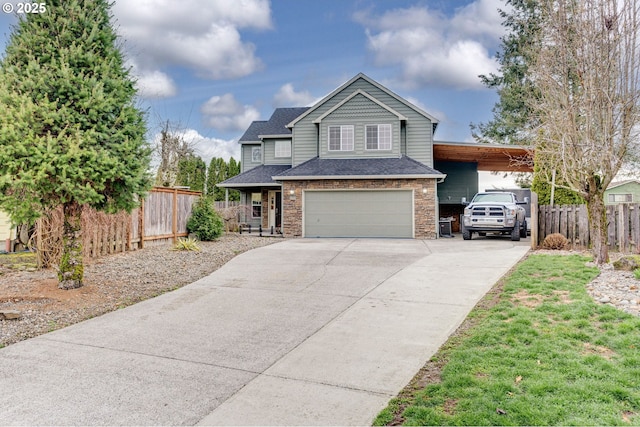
[
  {"x": 221, "y": 204},
  {"x": 161, "y": 218},
  {"x": 572, "y": 221}
]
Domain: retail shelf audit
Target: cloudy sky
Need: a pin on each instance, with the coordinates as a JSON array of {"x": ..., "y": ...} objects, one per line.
[{"x": 211, "y": 67}]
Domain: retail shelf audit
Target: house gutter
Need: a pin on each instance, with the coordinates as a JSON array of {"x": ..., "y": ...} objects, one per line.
[{"x": 321, "y": 177}]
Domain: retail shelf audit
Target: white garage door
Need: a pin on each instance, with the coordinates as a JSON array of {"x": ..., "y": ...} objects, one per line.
[{"x": 358, "y": 213}]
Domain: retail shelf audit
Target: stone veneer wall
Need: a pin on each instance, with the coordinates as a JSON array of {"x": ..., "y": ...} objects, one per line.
[{"x": 424, "y": 203}]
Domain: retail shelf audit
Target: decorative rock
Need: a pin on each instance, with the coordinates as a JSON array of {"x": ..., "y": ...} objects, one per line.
[
  {"x": 604, "y": 299},
  {"x": 626, "y": 263},
  {"x": 9, "y": 314}
]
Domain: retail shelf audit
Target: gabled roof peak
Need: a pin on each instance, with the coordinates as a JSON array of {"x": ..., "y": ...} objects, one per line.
[{"x": 373, "y": 83}]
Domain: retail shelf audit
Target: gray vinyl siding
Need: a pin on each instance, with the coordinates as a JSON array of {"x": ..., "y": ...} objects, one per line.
[
  {"x": 247, "y": 161},
  {"x": 359, "y": 112},
  {"x": 245, "y": 215},
  {"x": 305, "y": 141},
  {"x": 461, "y": 181},
  {"x": 269, "y": 146},
  {"x": 418, "y": 128}
]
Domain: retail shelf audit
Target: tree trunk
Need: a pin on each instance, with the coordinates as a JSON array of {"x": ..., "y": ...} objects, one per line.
[
  {"x": 598, "y": 227},
  {"x": 71, "y": 269}
]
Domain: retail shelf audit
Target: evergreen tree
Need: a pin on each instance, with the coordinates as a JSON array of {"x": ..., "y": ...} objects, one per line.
[
  {"x": 512, "y": 118},
  {"x": 233, "y": 170},
  {"x": 219, "y": 170},
  {"x": 217, "y": 173},
  {"x": 192, "y": 172},
  {"x": 69, "y": 131}
]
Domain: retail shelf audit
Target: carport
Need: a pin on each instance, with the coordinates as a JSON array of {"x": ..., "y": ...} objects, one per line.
[{"x": 461, "y": 162}]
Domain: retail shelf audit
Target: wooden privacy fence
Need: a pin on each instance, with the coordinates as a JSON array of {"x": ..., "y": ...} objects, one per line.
[
  {"x": 162, "y": 215},
  {"x": 161, "y": 218},
  {"x": 572, "y": 221}
]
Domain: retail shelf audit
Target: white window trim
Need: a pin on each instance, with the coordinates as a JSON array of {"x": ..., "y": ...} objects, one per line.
[
  {"x": 255, "y": 203},
  {"x": 628, "y": 198},
  {"x": 343, "y": 131},
  {"x": 255, "y": 150},
  {"x": 366, "y": 142},
  {"x": 281, "y": 152}
]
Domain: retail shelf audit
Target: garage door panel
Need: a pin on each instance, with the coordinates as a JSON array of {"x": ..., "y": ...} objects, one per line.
[{"x": 384, "y": 213}]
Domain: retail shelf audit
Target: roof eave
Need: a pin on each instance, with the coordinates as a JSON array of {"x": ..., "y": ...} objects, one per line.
[
  {"x": 323, "y": 177},
  {"x": 286, "y": 135},
  {"x": 244, "y": 185}
]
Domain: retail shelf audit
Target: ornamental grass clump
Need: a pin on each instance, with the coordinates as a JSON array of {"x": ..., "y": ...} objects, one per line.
[
  {"x": 555, "y": 241},
  {"x": 188, "y": 244},
  {"x": 205, "y": 222}
]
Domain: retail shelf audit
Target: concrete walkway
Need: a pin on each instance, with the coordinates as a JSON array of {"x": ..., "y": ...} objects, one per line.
[{"x": 302, "y": 332}]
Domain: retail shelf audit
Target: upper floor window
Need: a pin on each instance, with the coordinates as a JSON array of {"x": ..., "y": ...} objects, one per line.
[
  {"x": 620, "y": 198},
  {"x": 256, "y": 155},
  {"x": 378, "y": 137},
  {"x": 283, "y": 148},
  {"x": 341, "y": 138}
]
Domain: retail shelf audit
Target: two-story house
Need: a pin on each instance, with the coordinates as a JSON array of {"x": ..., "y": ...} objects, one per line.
[{"x": 358, "y": 163}]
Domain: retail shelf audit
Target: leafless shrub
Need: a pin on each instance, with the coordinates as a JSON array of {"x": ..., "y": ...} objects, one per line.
[
  {"x": 101, "y": 233},
  {"x": 555, "y": 241},
  {"x": 233, "y": 216}
]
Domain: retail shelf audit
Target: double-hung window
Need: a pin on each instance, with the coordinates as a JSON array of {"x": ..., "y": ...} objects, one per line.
[
  {"x": 378, "y": 137},
  {"x": 283, "y": 148},
  {"x": 256, "y": 205},
  {"x": 621, "y": 198},
  {"x": 341, "y": 138}
]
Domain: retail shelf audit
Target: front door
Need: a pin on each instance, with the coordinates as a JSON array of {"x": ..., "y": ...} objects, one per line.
[{"x": 275, "y": 210}]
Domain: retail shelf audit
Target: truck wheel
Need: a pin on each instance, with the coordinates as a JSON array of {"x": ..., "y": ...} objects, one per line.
[
  {"x": 523, "y": 230},
  {"x": 466, "y": 234},
  {"x": 515, "y": 233}
]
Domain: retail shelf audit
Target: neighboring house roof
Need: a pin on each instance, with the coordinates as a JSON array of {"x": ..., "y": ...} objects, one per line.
[
  {"x": 434, "y": 121},
  {"x": 276, "y": 126},
  {"x": 259, "y": 176},
  {"x": 385, "y": 168},
  {"x": 621, "y": 183}
]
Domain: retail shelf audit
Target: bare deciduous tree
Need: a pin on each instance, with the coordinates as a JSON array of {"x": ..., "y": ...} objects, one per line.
[
  {"x": 587, "y": 71},
  {"x": 171, "y": 149}
]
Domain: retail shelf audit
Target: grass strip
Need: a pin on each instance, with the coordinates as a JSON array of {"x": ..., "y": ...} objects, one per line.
[{"x": 542, "y": 353}]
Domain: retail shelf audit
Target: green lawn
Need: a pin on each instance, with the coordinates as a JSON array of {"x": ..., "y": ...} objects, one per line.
[{"x": 543, "y": 354}]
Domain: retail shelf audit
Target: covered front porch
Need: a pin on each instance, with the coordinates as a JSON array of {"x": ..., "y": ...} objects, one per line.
[{"x": 260, "y": 197}]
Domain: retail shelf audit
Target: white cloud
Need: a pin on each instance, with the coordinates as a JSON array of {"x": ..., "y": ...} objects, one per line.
[
  {"x": 225, "y": 113},
  {"x": 288, "y": 97},
  {"x": 205, "y": 147},
  {"x": 438, "y": 114},
  {"x": 202, "y": 35},
  {"x": 155, "y": 84},
  {"x": 433, "y": 49}
]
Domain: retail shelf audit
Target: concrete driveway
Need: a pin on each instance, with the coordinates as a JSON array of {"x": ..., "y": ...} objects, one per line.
[{"x": 302, "y": 332}]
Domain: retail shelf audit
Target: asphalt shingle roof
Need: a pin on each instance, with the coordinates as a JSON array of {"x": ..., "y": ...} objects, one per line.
[
  {"x": 276, "y": 125},
  {"x": 258, "y": 176},
  {"x": 397, "y": 166}
]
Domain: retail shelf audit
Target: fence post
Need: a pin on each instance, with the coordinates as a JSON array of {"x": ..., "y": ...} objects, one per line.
[
  {"x": 174, "y": 210},
  {"x": 534, "y": 220},
  {"x": 141, "y": 223}
]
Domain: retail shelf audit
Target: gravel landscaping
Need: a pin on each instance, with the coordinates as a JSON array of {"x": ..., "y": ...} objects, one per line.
[{"x": 111, "y": 283}]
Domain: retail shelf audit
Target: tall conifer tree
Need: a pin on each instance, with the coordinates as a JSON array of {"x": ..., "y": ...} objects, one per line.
[{"x": 70, "y": 133}]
